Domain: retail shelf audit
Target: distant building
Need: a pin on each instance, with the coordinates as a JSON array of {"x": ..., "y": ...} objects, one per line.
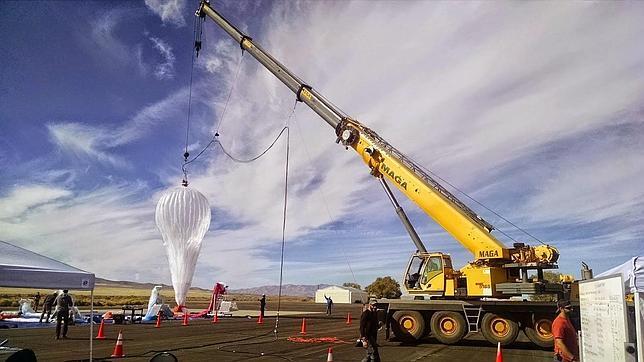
[{"x": 341, "y": 295}]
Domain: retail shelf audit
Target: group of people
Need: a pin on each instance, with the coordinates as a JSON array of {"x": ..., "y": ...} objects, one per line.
[{"x": 62, "y": 305}]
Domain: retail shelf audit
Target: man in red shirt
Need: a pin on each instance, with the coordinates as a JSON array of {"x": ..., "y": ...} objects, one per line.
[{"x": 565, "y": 335}]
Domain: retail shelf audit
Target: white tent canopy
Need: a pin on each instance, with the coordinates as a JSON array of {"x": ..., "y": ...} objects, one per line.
[
  {"x": 22, "y": 268},
  {"x": 633, "y": 273}
]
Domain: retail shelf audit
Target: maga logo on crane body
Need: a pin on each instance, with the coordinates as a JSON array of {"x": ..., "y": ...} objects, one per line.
[
  {"x": 384, "y": 169},
  {"x": 488, "y": 254}
]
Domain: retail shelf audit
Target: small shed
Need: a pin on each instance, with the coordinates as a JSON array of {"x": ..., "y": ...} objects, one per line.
[{"x": 339, "y": 294}]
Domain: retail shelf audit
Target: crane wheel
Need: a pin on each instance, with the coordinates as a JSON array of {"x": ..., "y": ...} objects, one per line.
[
  {"x": 496, "y": 328},
  {"x": 448, "y": 327},
  {"x": 408, "y": 325},
  {"x": 540, "y": 331}
]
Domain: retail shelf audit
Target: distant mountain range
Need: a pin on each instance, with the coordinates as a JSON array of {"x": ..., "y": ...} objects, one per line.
[
  {"x": 296, "y": 290},
  {"x": 287, "y": 289}
]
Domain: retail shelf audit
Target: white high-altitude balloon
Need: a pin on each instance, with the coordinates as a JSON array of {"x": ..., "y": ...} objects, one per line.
[{"x": 183, "y": 217}]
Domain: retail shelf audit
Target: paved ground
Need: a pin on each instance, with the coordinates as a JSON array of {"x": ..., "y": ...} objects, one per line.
[{"x": 242, "y": 339}]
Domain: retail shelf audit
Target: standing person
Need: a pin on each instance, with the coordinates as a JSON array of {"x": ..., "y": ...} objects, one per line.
[
  {"x": 46, "y": 306},
  {"x": 369, "y": 332},
  {"x": 36, "y": 301},
  {"x": 565, "y": 335},
  {"x": 63, "y": 304},
  {"x": 329, "y": 304},
  {"x": 262, "y": 305}
]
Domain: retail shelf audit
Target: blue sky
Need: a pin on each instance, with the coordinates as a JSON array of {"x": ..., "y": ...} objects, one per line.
[{"x": 534, "y": 109}]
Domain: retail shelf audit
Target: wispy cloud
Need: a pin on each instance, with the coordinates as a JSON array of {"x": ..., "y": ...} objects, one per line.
[
  {"x": 84, "y": 142},
  {"x": 104, "y": 38},
  {"x": 165, "y": 69},
  {"x": 23, "y": 198},
  {"x": 170, "y": 11}
]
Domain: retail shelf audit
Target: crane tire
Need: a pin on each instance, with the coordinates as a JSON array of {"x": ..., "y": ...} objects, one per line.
[
  {"x": 408, "y": 325},
  {"x": 448, "y": 327},
  {"x": 496, "y": 328},
  {"x": 539, "y": 331}
]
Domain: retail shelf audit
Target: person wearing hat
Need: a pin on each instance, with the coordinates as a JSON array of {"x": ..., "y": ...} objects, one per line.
[
  {"x": 564, "y": 334},
  {"x": 63, "y": 304},
  {"x": 369, "y": 332}
]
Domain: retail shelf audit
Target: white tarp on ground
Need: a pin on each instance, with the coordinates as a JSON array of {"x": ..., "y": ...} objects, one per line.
[
  {"x": 633, "y": 273},
  {"x": 25, "y": 269}
]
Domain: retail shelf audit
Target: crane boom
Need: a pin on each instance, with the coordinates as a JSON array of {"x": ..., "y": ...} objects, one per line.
[{"x": 455, "y": 217}]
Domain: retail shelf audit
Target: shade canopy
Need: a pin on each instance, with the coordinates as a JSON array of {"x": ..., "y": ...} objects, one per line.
[
  {"x": 25, "y": 269},
  {"x": 633, "y": 273}
]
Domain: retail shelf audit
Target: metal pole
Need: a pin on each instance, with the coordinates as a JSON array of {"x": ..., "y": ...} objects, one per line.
[
  {"x": 403, "y": 217},
  {"x": 639, "y": 318},
  {"x": 91, "y": 326}
]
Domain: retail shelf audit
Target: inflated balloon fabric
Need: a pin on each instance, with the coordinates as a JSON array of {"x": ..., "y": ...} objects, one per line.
[{"x": 183, "y": 217}]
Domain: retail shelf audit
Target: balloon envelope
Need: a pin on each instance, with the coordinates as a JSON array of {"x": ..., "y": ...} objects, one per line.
[{"x": 183, "y": 217}]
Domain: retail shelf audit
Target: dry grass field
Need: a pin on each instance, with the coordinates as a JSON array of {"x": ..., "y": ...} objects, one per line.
[{"x": 114, "y": 293}]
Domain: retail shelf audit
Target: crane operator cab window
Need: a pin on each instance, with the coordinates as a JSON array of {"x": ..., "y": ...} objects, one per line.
[
  {"x": 414, "y": 271},
  {"x": 433, "y": 269}
]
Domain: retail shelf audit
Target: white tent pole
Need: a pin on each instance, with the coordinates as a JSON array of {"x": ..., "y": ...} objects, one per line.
[
  {"x": 638, "y": 326},
  {"x": 91, "y": 326}
]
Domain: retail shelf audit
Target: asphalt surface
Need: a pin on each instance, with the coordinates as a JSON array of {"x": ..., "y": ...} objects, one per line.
[{"x": 242, "y": 339}]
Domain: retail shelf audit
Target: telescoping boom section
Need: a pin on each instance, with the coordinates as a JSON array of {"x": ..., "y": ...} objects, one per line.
[{"x": 496, "y": 269}]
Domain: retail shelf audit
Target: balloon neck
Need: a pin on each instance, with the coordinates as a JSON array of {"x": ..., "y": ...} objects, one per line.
[{"x": 179, "y": 309}]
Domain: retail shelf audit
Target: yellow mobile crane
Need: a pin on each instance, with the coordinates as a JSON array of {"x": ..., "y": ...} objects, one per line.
[{"x": 446, "y": 302}]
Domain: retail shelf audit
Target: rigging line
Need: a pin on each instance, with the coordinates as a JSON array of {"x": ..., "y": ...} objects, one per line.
[
  {"x": 324, "y": 201},
  {"x": 214, "y": 137},
  {"x": 483, "y": 206},
  {"x": 192, "y": 69},
  {"x": 227, "y": 153},
  {"x": 232, "y": 87},
  {"x": 288, "y": 148}
]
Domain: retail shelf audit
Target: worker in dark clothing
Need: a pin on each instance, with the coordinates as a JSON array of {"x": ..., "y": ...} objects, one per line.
[
  {"x": 262, "y": 305},
  {"x": 46, "y": 306},
  {"x": 63, "y": 304},
  {"x": 329, "y": 305},
  {"x": 369, "y": 332},
  {"x": 36, "y": 301}
]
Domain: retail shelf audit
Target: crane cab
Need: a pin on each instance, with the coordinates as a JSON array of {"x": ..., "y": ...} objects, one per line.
[{"x": 429, "y": 274}]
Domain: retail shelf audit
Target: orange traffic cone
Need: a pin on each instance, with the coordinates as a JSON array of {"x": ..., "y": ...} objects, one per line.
[
  {"x": 499, "y": 353},
  {"x": 329, "y": 356},
  {"x": 158, "y": 325},
  {"x": 260, "y": 320},
  {"x": 118, "y": 348},
  {"x": 100, "y": 334},
  {"x": 348, "y": 319},
  {"x": 215, "y": 319},
  {"x": 185, "y": 319},
  {"x": 303, "y": 331}
]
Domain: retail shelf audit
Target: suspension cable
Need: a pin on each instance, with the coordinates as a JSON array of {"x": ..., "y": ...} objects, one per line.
[{"x": 483, "y": 206}]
